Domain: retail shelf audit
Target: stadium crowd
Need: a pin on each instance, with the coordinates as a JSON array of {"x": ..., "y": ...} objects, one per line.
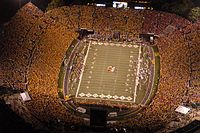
[
  {"x": 34, "y": 47},
  {"x": 174, "y": 75},
  {"x": 156, "y": 22},
  {"x": 13, "y": 39},
  {"x": 191, "y": 33}
]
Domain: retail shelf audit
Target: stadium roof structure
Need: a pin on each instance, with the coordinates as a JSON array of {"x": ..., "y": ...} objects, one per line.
[
  {"x": 136, "y": 1},
  {"x": 34, "y": 44},
  {"x": 146, "y": 4}
]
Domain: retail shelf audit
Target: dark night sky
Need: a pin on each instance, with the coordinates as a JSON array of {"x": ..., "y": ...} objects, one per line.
[{"x": 9, "y": 7}]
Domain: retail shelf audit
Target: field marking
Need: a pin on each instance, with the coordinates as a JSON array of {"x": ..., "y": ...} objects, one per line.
[
  {"x": 81, "y": 76},
  {"x": 118, "y": 66},
  {"x": 87, "y": 57},
  {"x": 105, "y": 99},
  {"x": 102, "y": 71},
  {"x": 137, "y": 75}
]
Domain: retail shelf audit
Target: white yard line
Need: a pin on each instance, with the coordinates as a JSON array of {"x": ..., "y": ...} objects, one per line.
[
  {"x": 81, "y": 76},
  {"x": 118, "y": 62},
  {"x": 102, "y": 72},
  {"x": 137, "y": 75}
]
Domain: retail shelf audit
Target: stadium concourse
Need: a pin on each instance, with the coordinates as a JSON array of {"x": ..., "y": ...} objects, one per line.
[{"x": 33, "y": 45}]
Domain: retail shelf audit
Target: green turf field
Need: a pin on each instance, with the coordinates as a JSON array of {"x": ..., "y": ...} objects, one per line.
[{"x": 97, "y": 82}]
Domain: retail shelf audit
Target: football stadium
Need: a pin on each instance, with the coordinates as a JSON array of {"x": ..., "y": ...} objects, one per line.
[
  {"x": 92, "y": 67},
  {"x": 99, "y": 71}
]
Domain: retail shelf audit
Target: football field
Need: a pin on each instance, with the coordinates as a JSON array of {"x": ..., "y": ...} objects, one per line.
[{"x": 110, "y": 72}]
